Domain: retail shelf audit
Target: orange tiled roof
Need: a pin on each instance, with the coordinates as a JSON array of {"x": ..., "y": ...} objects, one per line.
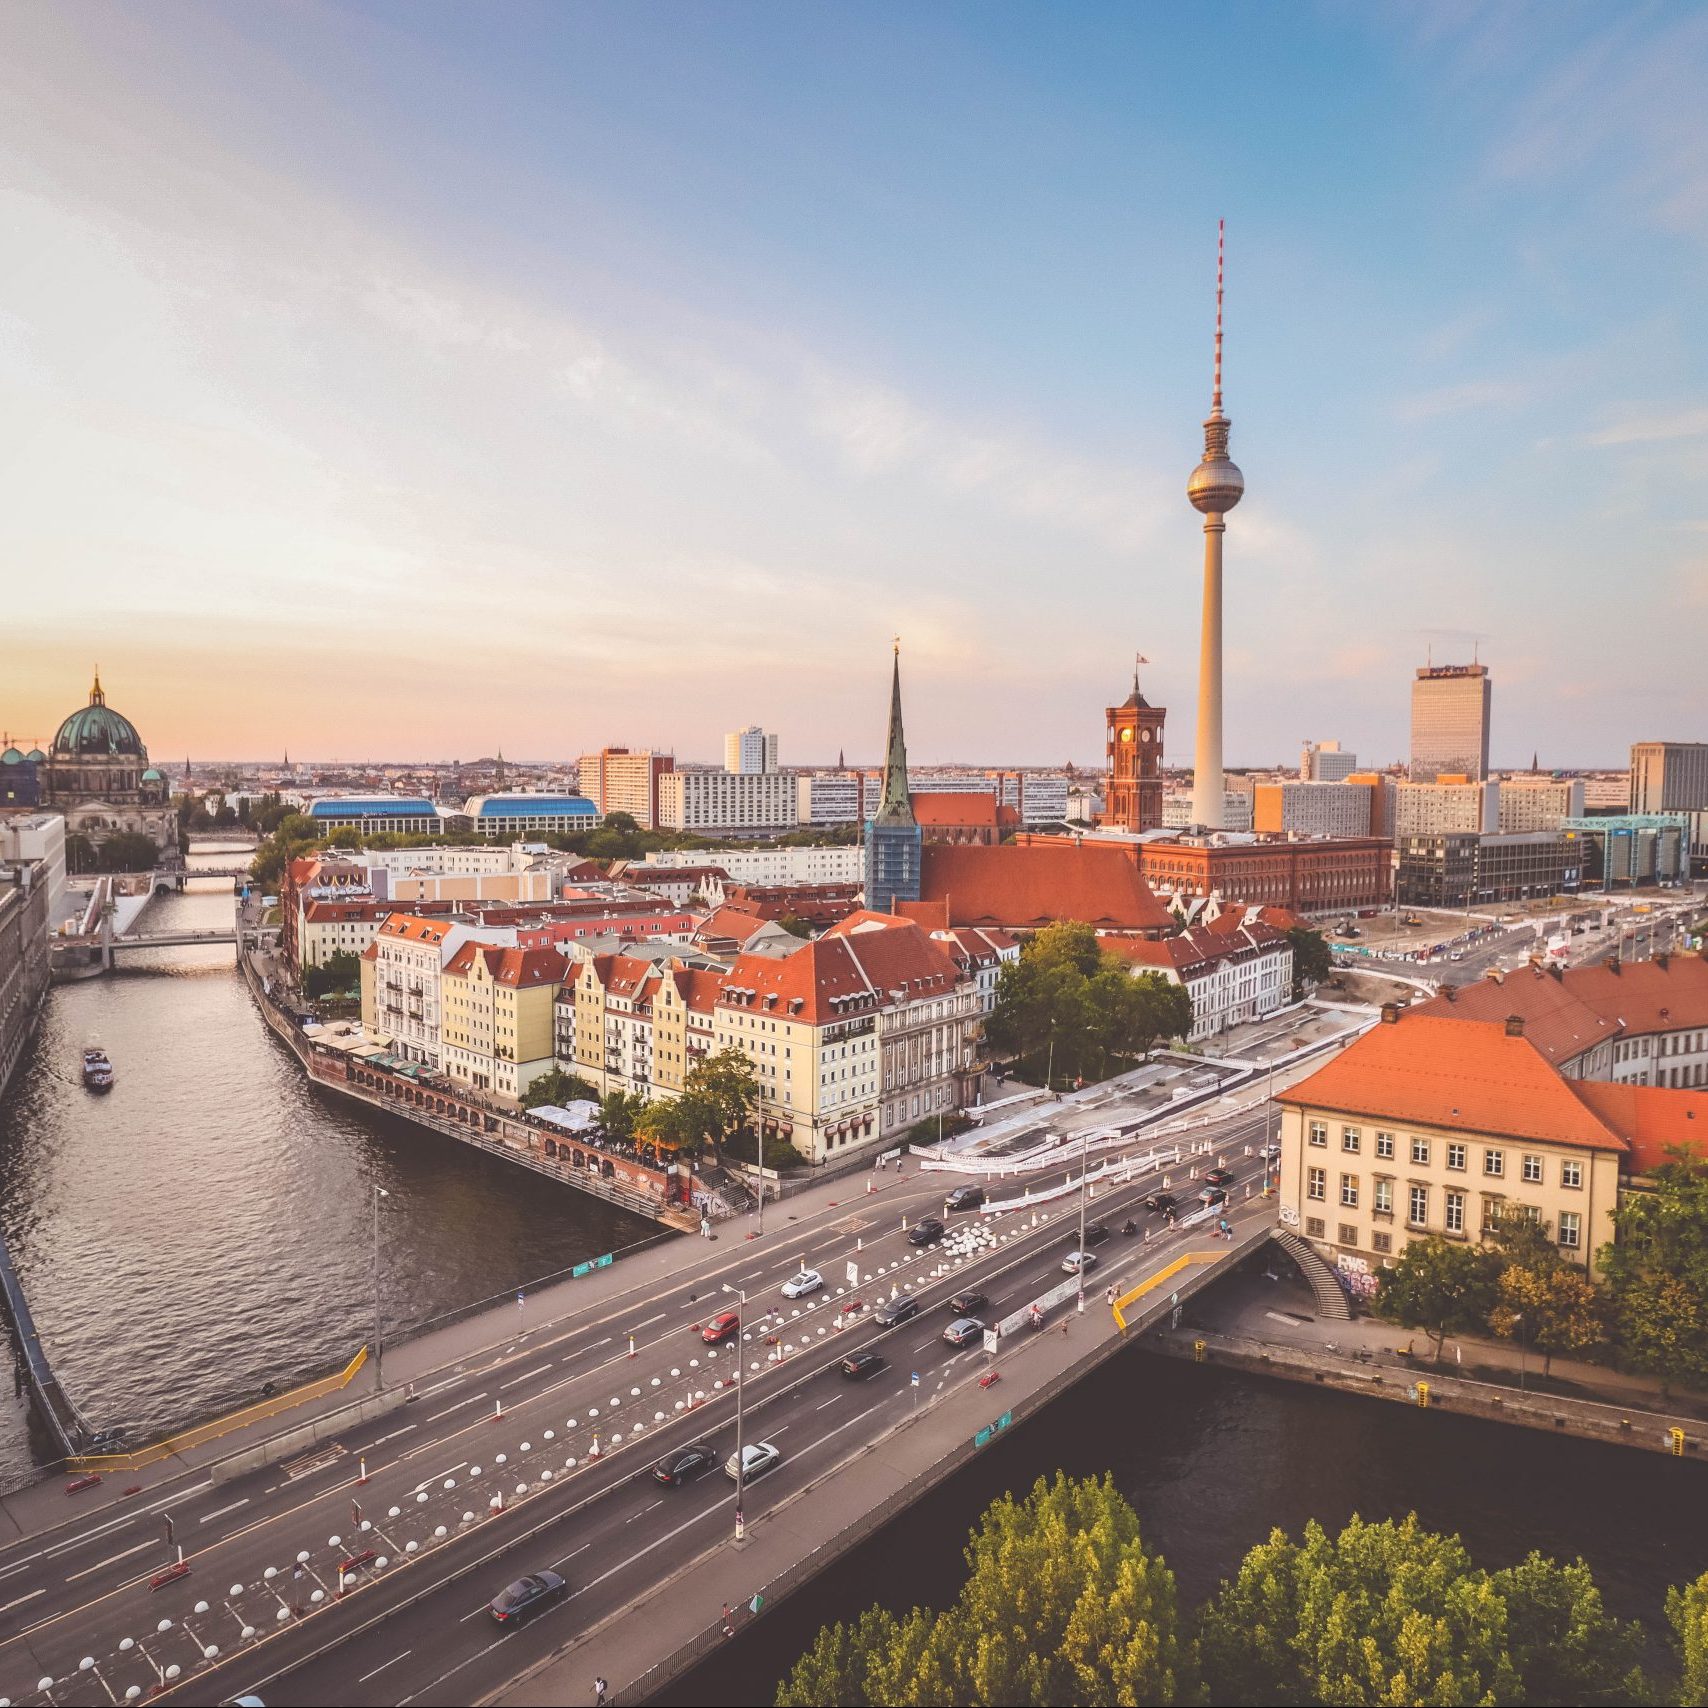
[
  {"x": 1026, "y": 887},
  {"x": 841, "y": 975},
  {"x": 950, "y": 809},
  {"x": 733, "y": 920},
  {"x": 699, "y": 988},
  {"x": 413, "y": 928},
  {"x": 1463, "y": 1075},
  {"x": 1652, "y": 1119}
]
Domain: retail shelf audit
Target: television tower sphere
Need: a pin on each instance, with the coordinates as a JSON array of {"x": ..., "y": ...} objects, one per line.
[{"x": 1215, "y": 486}]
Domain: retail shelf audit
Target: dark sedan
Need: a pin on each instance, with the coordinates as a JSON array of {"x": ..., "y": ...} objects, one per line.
[
  {"x": 857, "y": 1366},
  {"x": 1219, "y": 1177},
  {"x": 682, "y": 1463},
  {"x": 1160, "y": 1203},
  {"x": 526, "y": 1596},
  {"x": 1096, "y": 1234},
  {"x": 968, "y": 1304},
  {"x": 927, "y": 1232}
]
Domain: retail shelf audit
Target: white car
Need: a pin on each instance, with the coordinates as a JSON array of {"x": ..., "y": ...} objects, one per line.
[
  {"x": 758, "y": 1457},
  {"x": 798, "y": 1286}
]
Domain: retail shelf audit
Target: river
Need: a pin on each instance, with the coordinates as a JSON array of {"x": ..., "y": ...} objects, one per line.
[
  {"x": 1213, "y": 1459},
  {"x": 207, "y": 1226}
]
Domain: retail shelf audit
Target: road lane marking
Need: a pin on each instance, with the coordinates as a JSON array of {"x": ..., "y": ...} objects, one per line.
[
  {"x": 383, "y": 1665},
  {"x": 438, "y": 1387},
  {"x": 22, "y": 1599},
  {"x": 457, "y": 1407},
  {"x": 434, "y": 1476},
  {"x": 394, "y": 1435},
  {"x": 649, "y": 1322},
  {"x": 830, "y": 1402},
  {"x": 111, "y": 1560},
  {"x": 220, "y": 1512},
  {"x": 527, "y": 1375},
  {"x": 582, "y": 1353}
]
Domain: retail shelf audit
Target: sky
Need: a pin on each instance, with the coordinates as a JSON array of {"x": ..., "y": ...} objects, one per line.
[{"x": 420, "y": 380}]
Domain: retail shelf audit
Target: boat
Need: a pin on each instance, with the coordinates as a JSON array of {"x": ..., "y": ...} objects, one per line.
[{"x": 97, "y": 1070}]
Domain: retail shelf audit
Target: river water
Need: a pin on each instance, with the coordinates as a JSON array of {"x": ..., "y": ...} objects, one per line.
[
  {"x": 207, "y": 1226},
  {"x": 1212, "y": 1460}
]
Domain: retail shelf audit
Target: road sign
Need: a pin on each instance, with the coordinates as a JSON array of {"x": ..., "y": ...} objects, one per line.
[
  {"x": 914, "y": 1379},
  {"x": 853, "y": 1273}
]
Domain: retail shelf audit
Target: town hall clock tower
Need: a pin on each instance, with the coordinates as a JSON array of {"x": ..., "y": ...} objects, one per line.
[{"x": 1133, "y": 800}]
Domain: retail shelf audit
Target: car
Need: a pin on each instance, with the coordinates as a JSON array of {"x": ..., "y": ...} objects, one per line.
[
  {"x": 857, "y": 1366},
  {"x": 1213, "y": 1195},
  {"x": 527, "y": 1596},
  {"x": 681, "y": 1463},
  {"x": 963, "y": 1330},
  {"x": 720, "y": 1328},
  {"x": 758, "y": 1457},
  {"x": 1079, "y": 1262},
  {"x": 896, "y": 1311},
  {"x": 1219, "y": 1177},
  {"x": 1096, "y": 1234},
  {"x": 968, "y": 1304},
  {"x": 798, "y": 1286},
  {"x": 1160, "y": 1203},
  {"x": 1270, "y": 1153},
  {"x": 926, "y": 1232},
  {"x": 964, "y": 1198}
]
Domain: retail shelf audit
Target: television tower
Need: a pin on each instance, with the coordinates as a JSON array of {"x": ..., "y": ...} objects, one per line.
[{"x": 1215, "y": 487}]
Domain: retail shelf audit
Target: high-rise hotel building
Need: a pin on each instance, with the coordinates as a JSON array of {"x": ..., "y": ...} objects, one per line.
[{"x": 1450, "y": 722}]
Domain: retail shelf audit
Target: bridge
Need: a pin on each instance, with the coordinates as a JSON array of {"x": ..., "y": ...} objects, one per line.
[
  {"x": 173, "y": 939},
  {"x": 529, "y": 1428}
]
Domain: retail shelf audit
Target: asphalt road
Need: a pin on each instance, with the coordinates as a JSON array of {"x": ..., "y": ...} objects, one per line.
[{"x": 582, "y": 1421}]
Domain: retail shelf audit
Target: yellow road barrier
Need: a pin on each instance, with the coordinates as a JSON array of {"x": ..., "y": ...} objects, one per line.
[
  {"x": 100, "y": 1463},
  {"x": 1179, "y": 1265}
]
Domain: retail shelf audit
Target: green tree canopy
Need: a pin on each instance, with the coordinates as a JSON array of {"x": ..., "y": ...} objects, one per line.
[
  {"x": 1311, "y": 961},
  {"x": 1062, "y": 1603},
  {"x": 338, "y": 973},
  {"x": 557, "y": 1087},
  {"x": 721, "y": 1089},
  {"x": 1687, "y": 1613},
  {"x": 1395, "y": 1614},
  {"x": 1657, "y": 1273},
  {"x": 1441, "y": 1287}
]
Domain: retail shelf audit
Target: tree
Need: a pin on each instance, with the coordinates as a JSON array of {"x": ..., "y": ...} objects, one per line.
[
  {"x": 722, "y": 1087},
  {"x": 128, "y": 851},
  {"x": 1657, "y": 1273},
  {"x": 1552, "y": 1306},
  {"x": 1441, "y": 1287},
  {"x": 618, "y": 1112},
  {"x": 1687, "y": 1613},
  {"x": 1062, "y": 1603},
  {"x": 1311, "y": 962},
  {"x": 1394, "y": 1613},
  {"x": 339, "y": 972},
  {"x": 558, "y": 1088},
  {"x": 79, "y": 853}
]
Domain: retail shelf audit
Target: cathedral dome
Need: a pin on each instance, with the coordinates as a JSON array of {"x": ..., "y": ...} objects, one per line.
[{"x": 98, "y": 731}]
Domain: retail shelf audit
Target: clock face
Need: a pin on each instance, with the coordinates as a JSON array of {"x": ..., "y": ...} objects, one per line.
[
  {"x": 1126, "y": 735},
  {"x": 1147, "y": 735}
]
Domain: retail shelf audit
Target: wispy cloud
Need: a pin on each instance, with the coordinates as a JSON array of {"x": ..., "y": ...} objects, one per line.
[
  {"x": 1457, "y": 399},
  {"x": 1652, "y": 427}
]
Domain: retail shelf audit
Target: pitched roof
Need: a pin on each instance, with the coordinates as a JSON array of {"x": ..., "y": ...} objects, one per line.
[
  {"x": 413, "y": 928},
  {"x": 1569, "y": 1012},
  {"x": 1192, "y": 950},
  {"x": 1652, "y": 1119},
  {"x": 1464, "y": 1075},
  {"x": 841, "y": 974},
  {"x": 733, "y": 920},
  {"x": 951, "y": 809},
  {"x": 699, "y": 988},
  {"x": 1027, "y": 887}
]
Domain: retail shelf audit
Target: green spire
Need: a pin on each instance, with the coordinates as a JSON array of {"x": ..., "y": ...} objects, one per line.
[{"x": 894, "y": 807}]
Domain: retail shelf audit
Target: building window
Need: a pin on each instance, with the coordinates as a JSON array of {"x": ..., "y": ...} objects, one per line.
[
  {"x": 1454, "y": 1215},
  {"x": 1348, "y": 1234},
  {"x": 1319, "y": 1133},
  {"x": 1570, "y": 1223},
  {"x": 1494, "y": 1162},
  {"x": 1382, "y": 1197},
  {"x": 1313, "y": 1227},
  {"x": 1316, "y": 1183},
  {"x": 1349, "y": 1191},
  {"x": 1571, "y": 1174},
  {"x": 1349, "y": 1138},
  {"x": 1381, "y": 1242},
  {"x": 1420, "y": 1152},
  {"x": 1456, "y": 1157},
  {"x": 1385, "y": 1146},
  {"x": 1419, "y": 1212}
]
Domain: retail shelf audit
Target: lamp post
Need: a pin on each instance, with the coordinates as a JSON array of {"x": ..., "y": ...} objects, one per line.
[
  {"x": 1084, "y": 1138},
  {"x": 379, "y": 1365},
  {"x": 1523, "y": 1350},
  {"x": 740, "y": 1366},
  {"x": 759, "y": 1125}
]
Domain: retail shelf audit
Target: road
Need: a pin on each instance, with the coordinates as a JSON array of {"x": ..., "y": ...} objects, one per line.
[{"x": 562, "y": 1425}]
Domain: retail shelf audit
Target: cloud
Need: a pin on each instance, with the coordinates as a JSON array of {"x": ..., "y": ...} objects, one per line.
[
  {"x": 1652, "y": 427},
  {"x": 1457, "y": 399}
]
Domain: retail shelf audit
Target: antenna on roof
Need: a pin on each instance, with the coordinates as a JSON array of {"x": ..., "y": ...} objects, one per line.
[{"x": 1216, "y": 390}]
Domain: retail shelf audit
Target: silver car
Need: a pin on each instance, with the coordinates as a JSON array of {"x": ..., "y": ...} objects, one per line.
[{"x": 963, "y": 1330}]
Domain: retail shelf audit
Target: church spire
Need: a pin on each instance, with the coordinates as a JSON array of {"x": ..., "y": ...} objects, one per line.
[
  {"x": 894, "y": 807},
  {"x": 97, "y": 696}
]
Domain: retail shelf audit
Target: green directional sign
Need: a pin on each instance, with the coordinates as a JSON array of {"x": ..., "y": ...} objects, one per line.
[
  {"x": 602, "y": 1262},
  {"x": 983, "y": 1437},
  {"x": 579, "y": 1270}
]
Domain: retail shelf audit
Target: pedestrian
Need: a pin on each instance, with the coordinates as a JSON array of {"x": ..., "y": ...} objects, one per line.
[
  {"x": 599, "y": 1689},
  {"x": 1109, "y": 1296}
]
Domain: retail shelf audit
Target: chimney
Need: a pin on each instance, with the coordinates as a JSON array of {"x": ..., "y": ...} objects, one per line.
[
  {"x": 1390, "y": 1014},
  {"x": 1613, "y": 965},
  {"x": 1515, "y": 1025},
  {"x": 1558, "y": 972},
  {"x": 1662, "y": 958},
  {"x": 1451, "y": 992}
]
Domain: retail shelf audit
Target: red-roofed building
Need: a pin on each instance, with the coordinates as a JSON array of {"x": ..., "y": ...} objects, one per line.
[
  {"x": 496, "y": 1002},
  {"x": 402, "y": 976},
  {"x": 975, "y": 818},
  {"x": 1439, "y": 1125},
  {"x": 856, "y": 1037},
  {"x": 1233, "y": 969},
  {"x": 1024, "y": 887},
  {"x": 315, "y": 878}
]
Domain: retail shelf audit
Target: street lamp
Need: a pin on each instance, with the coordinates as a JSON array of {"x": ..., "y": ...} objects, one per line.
[
  {"x": 740, "y": 1366},
  {"x": 379, "y": 1365},
  {"x": 759, "y": 1127},
  {"x": 1523, "y": 1349},
  {"x": 1084, "y": 1138}
]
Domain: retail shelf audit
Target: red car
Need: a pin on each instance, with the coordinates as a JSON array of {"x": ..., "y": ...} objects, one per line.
[{"x": 720, "y": 1328}]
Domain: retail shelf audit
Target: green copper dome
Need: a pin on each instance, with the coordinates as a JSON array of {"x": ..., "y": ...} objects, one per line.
[
  {"x": 98, "y": 731},
  {"x": 11, "y": 757},
  {"x": 152, "y": 776}
]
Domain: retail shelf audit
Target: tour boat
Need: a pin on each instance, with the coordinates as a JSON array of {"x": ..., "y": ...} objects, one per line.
[{"x": 97, "y": 1070}]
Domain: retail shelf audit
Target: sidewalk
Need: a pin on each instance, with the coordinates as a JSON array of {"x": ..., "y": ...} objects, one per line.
[{"x": 1246, "y": 1310}]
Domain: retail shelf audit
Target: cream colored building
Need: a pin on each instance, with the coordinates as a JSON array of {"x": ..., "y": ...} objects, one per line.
[
  {"x": 496, "y": 1015},
  {"x": 1430, "y": 1126},
  {"x": 401, "y": 975}
]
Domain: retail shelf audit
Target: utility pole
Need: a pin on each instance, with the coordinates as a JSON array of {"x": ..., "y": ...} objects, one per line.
[
  {"x": 740, "y": 1366},
  {"x": 379, "y": 1366}
]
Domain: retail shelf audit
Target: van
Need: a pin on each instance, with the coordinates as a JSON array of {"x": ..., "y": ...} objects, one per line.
[{"x": 964, "y": 1198}]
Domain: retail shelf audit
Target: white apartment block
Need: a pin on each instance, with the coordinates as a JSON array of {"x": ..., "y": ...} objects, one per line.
[
  {"x": 750, "y": 750},
  {"x": 833, "y": 797},
  {"x": 1539, "y": 803},
  {"x": 1313, "y": 809},
  {"x": 1237, "y": 807},
  {"x": 1446, "y": 809},
  {"x": 708, "y": 802},
  {"x": 774, "y": 865},
  {"x": 484, "y": 861},
  {"x": 1326, "y": 762}
]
